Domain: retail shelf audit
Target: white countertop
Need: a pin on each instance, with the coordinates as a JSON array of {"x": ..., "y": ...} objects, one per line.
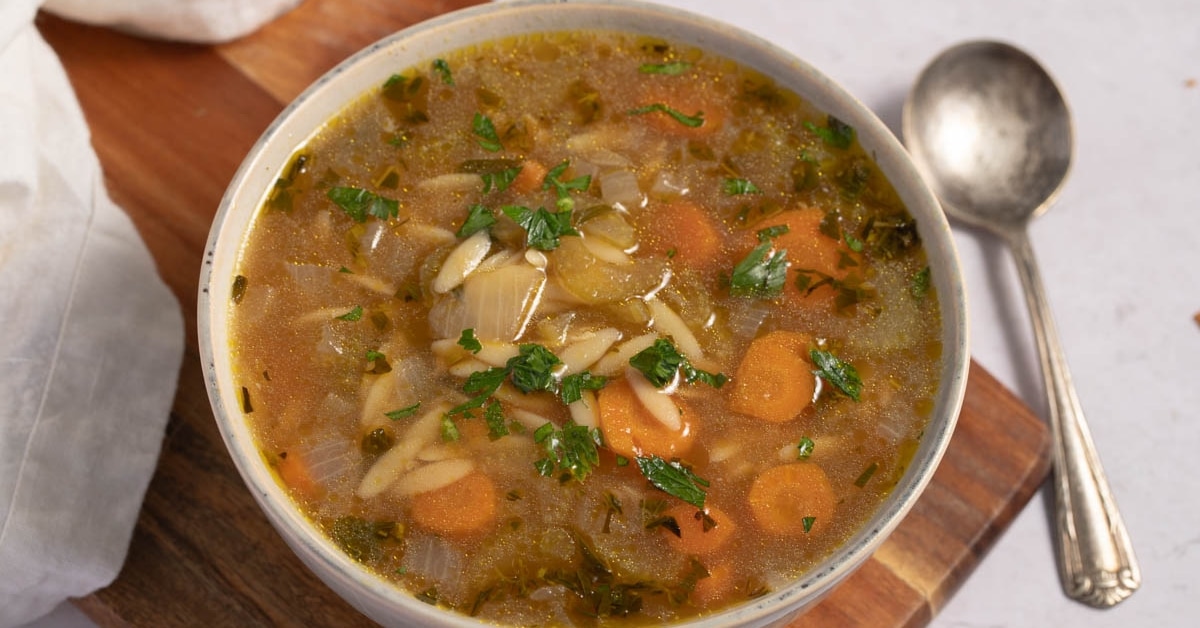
[{"x": 1120, "y": 257}]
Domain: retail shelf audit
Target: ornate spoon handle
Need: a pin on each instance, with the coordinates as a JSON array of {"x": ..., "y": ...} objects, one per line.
[{"x": 1095, "y": 557}]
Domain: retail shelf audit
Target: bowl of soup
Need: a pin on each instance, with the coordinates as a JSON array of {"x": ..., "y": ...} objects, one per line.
[{"x": 579, "y": 313}]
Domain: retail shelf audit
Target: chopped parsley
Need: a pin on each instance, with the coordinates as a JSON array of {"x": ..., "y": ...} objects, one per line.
[
  {"x": 835, "y": 133},
  {"x": 692, "y": 121},
  {"x": 542, "y": 228},
  {"x": 485, "y": 133},
  {"x": 674, "y": 68},
  {"x": 468, "y": 341},
  {"x": 808, "y": 522},
  {"x": 500, "y": 180},
  {"x": 359, "y": 203},
  {"x": 443, "y": 69},
  {"x": 353, "y": 315},
  {"x": 562, "y": 189},
  {"x": 919, "y": 286},
  {"x": 761, "y": 274},
  {"x": 804, "y": 449},
  {"x": 674, "y": 479},
  {"x": 495, "y": 421},
  {"x": 841, "y": 374},
  {"x": 735, "y": 187},
  {"x": 661, "y": 361},
  {"x": 572, "y": 386},
  {"x": 572, "y": 451},
  {"x": 768, "y": 233},
  {"x": 404, "y": 412},
  {"x": 450, "y": 431},
  {"x": 532, "y": 369},
  {"x": 239, "y": 289},
  {"x": 865, "y": 476},
  {"x": 478, "y": 219}
]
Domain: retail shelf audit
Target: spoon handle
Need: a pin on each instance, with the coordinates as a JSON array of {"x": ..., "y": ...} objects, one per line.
[{"x": 1095, "y": 557}]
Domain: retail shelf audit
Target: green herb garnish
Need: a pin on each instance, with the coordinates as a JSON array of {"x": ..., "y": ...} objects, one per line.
[
  {"x": 239, "y": 289},
  {"x": 495, "y": 421},
  {"x": 450, "y": 431},
  {"x": 808, "y": 522},
  {"x": 469, "y": 342},
  {"x": 674, "y": 479},
  {"x": 674, "y": 68},
  {"x": 572, "y": 451},
  {"x": 542, "y": 228},
  {"x": 485, "y": 133},
  {"x": 735, "y": 187},
  {"x": 835, "y": 133},
  {"x": 761, "y": 274},
  {"x": 661, "y": 361},
  {"x": 572, "y": 386},
  {"x": 680, "y": 117},
  {"x": 919, "y": 287},
  {"x": 805, "y": 448},
  {"x": 359, "y": 203},
  {"x": 404, "y": 412},
  {"x": 478, "y": 219},
  {"x": 499, "y": 181},
  {"x": 841, "y": 374},
  {"x": 771, "y": 232},
  {"x": 854, "y": 243},
  {"x": 865, "y": 476},
  {"x": 353, "y": 315},
  {"x": 532, "y": 368},
  {"x": 481, "y": 385},
  {"x": 562, "y": 189},
  {"x": 443, "y": 69}
]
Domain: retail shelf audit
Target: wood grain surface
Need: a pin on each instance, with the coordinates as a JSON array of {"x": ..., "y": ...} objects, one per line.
[{"x": 170, "y": 123}]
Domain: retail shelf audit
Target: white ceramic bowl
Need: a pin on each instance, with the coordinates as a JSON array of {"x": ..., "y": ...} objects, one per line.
[{"x": 299, "y": 121}]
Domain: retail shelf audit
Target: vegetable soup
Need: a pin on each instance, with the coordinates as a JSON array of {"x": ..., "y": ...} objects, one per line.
[{"x": 585, "y": 328}]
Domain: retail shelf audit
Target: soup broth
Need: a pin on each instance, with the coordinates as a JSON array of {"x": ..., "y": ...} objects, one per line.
[{"x": 582, "y": 328}]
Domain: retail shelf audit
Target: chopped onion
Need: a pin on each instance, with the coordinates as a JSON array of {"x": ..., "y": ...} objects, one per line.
[
  {"x": 433, "y": 476},
  {"x": 374, "y": 284},
  {"x": 395, "y": 461},
  {"x": 667, "y": 186},
  {"x": 606, "y": 252},
  {"x": 658, "y": 403},
  {"x": 461, "y": 261},
  {"x": 497, "y": 304},
  {"x": 747, "y": 316},
  {"x": 620, "y": 187},
  {"x": 435, "y": 560},
  {"x": 329, "y": 461},
  {"x": 578, "y": 356},
  {"x": 498, "y": 261}
]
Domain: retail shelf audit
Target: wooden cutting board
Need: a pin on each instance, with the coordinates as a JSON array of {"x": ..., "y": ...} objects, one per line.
[{"x": 171, "y": 123}]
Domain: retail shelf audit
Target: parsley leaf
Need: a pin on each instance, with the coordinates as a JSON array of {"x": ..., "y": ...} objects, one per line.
[
  {"x": 771, "y": 232},
  {"x": 353, "y": 315},
  {"x": 572, "y": 386},
  {"x": 674, "y": 68},
  {"x": 674, "y": 479},
  {"x": 808, "y": 522},
  {"x": 841, "y": 374},
  {"x": 661, "y": 361},
  {"x": 734, "y": 187},
  {"x": 835, "y": 133},
  {"x": 919, "y": 286},
  {"x": 865, "y": 476},
  {"x": 533, "y": 368},
  {"x": 761, "y": 274},
  {"x": 485, "y": 133},
  {"x": 542, "y": 228},
  {"x": 680, "y": 117},
  {"x": 404, "y": 412},
  {"x": 359, "y": 203},
  {"x": 500, "y": 180},
  {"x": 805, "y": 448},
  {"x": 480, "y": 384},
  {"x": 469, "y": 342},
  {"x": 562, "y": 189},
  {"x": 443, "y": 69},
  {"x": 572, "y": 450},
  {"x": 450, "y": 431},
  {"x": 478, "y": 219},
  {"x": 495, "y": 421}
]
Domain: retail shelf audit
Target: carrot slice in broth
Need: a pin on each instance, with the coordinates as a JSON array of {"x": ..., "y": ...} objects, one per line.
[
  {"x": 630, "y": 430},
  {"x": 793, "y": 500},
  {"x": 774, "y": 381},
  {"x": 462, "y": 510}
]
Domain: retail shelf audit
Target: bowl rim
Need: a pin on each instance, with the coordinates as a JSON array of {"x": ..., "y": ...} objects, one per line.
[{"x": 370, "y": 593}]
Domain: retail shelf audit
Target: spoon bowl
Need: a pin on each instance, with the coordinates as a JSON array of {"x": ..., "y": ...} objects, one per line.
[{"x": 991, "y": 132}]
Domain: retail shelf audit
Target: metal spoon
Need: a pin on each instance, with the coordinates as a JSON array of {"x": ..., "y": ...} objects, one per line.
[{"x": 990, "y": 131}]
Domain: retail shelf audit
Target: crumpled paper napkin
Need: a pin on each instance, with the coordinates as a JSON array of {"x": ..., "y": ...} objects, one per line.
[{"x": 91, "y": 339}]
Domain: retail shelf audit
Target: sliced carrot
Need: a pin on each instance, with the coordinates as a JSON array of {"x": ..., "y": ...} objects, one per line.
[
  {"x": 297, "y": 477},
  {"x": 630, "y": 430},
  {"x": 715, "y": 587},
  {"x": 530, "y": 178},
  {"x": 808, "y": 249},
  {"x": 693, "y": 539},
  {"x": 787, "y": 499},
  {"x": 687, "y": 232},
  {"x": 774, "y": 382},
  {"x": 461, "y": 510},
  {"x": 687, "y": 98}
]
